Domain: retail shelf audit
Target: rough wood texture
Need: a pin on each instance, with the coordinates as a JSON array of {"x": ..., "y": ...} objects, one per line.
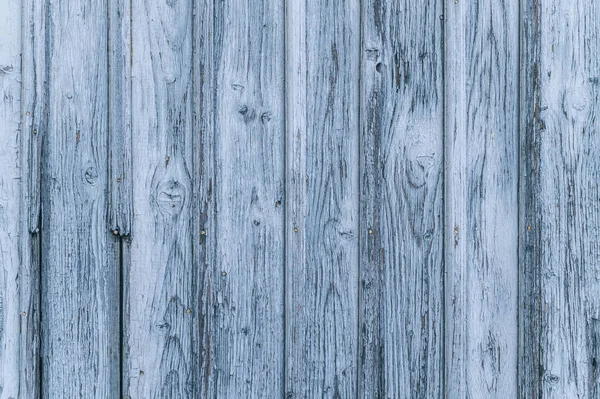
[
  {"x": 10, "y": 95},
  {"x": 80, "y": 298},
  {"x": 401, "y": 252},
  {"x": 120, "y": 173},
  {"x": 274, "y": 189},
  {"x": 33, "y": 123},
  {"x": 322, "y": 206},
  {"x": 161, "y": 318},
  {"x": 481, "y": 119},
  {"x": 241, "y": 106},
  {"x": 560, "y": 165}
]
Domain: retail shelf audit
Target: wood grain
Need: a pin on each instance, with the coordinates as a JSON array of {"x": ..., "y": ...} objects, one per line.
[
  {"x": 161, "y": 323},
  {"x": 481, "y": 120},
  {"x": 33, "y": 124},
  {"x": 80, "y": 338},
  {"x": 119, "y": 116},
  {"x": 322, "y": 208},
  {"x": 560, "y": 165},
  {"x": 401, "y": 184},
  {"x": 242, "y": 242},
  {"x": 10, "y": 77}
]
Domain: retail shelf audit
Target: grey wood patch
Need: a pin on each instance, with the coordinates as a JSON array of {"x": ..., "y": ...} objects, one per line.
[
  {"x": 402, "y": 187},
  {"x": 160, "y": 323},
  {"x": 322, "y": 199},
  {"x": 481, "y": 175},
  {"x": 80, "y": 334},
  {"x": 560, "y": 164}
]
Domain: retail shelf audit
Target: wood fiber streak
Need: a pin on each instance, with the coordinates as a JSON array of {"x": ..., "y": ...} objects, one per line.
[
  {"x": 481, "y": 198},
  {"x": 402, "y": 156},
  {"x": 560, "y": 165},
  {"x": 322, "y": 190},
  {"x": 80, "y": 333},
  {"x": 10, "y": 185},
  {"x": 241, "y": 198},
  {"x": 161, "y": 321},
  {"x": 33, "y": 125}
]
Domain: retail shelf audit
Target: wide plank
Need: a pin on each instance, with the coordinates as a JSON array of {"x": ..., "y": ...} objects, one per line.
[
  {"x": 241, "y": 196},
  {"x": 322, "y": 90},
  {"x": 80, "y": 276},
  {"x": 560, "y": 222},
  {"x": 401, "y": 157},
  {"x": 481, "y": 125},
  {"x": 160, "y": 322}
]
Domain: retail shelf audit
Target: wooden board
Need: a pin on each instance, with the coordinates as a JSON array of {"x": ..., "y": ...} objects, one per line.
[
  {"x": 240, "y": 102},
  {"x": 322, "y": 89},
  {"x": 160, "y": 319},
  {"x": 559, "y": 228},
  {"x": 481, "y": 175},
  {"x": 33, "y": 123},
  {"x": 10, "y": 96},
  {"x": 80, "y": 277},
  {"x": 401, "y": 279}
]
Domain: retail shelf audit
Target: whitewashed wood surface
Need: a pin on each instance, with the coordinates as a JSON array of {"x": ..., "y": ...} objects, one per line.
[{"x": 292, "y": 199}]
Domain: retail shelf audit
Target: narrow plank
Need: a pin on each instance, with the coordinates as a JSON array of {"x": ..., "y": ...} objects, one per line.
[
  {"x": 322, "y": 199},
  {"x": 243, "y": 148},
  {"x": 33, "y": 124},
  {"x": 481, "y": 117},
  {"x": 204, "y": 167},
  {"x": 401, "y": 323},
  {"x": 10, "y": 78},
  {"x": 80, "y": 300},
  {"x": 160, "y": 323},
  {"x": 120, "y": 173},
  {"x": 560, "y": 167}
]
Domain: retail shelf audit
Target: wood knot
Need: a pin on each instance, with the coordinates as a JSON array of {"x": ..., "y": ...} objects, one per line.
[
  {"x": 170, "y": 198},
  {"x": 248, "y": 114},
  {"x": 418, "y": 164},
  {"x": 91, "y": 175},
  {"x": 265, "y": 117}
]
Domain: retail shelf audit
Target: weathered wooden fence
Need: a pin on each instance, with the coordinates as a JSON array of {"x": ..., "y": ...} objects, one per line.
[{"x": 299, "y": 199}]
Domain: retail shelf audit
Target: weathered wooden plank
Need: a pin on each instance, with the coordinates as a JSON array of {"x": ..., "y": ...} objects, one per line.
[
  {"x": 559, "y": 228},
  {"x": 160, "y": 323},
  {"x": 322, "y": 198},
  {"x": 80, "y": 300},
  {"x": 33, "y": 123},
  {"x": 401, "y": 184},
  {"x": 242, "y": 167},
  {"x": 204, "y": 167},
  {"x": 120, "y": 173},
  {"x": 10, "y": 78},
  {"x": 481, "y": 118}
]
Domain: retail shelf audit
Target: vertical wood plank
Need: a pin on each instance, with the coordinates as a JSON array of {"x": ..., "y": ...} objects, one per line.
[
  {"x": 401, "y": 184},
  {"x": 80, "y": 300},
  {"x": 161, "y": 286},
  {"x": 119, "y": 114},
  {"x": 33, "y": 124},
  {"x": 560, "y": 165},
  {"x": 10, "y": 78},
  {"x": 322, "y": 198},
  {"x": 204, "y": 167},
  {"x": 481, "y": 118},
  {"x": 243, "y": 145}
]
